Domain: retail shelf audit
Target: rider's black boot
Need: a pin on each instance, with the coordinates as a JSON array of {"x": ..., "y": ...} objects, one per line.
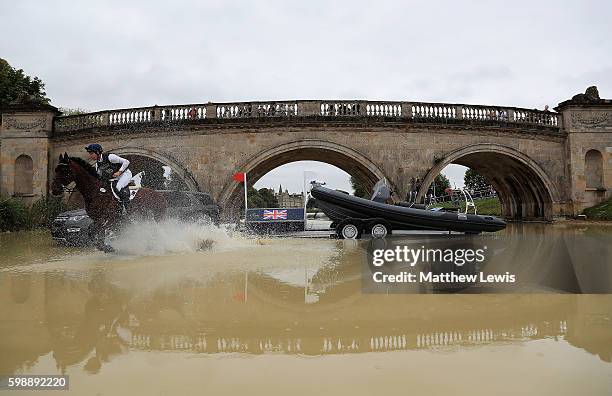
[{"x": 124, "y": 195}]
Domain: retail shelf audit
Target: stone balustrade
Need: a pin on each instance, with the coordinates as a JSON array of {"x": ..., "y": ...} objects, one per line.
[
  {"x": 256, "y": 109},
  {"x": 80, "y": 121},
  {"x": 385, "y": 111},
  {"x": 130, "y": 116},
  {"x": 357, "y": 343},
  {"x": 180, "y": 113},
  {"x": 433, "y": 111}
]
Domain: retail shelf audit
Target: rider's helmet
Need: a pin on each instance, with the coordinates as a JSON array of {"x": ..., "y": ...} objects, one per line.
[{"x": 94, "y": 147}]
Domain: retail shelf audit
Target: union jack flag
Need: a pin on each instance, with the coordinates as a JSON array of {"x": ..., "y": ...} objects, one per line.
[{"x": 275, "y": 214}]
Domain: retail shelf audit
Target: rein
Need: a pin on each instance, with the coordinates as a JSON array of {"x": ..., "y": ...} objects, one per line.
[
  {"x": 68, "y": 190},
  {"x": 65, "y": 187}
]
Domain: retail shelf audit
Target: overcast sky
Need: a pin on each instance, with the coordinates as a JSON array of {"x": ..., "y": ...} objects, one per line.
[{"x": 113, "y": 54}]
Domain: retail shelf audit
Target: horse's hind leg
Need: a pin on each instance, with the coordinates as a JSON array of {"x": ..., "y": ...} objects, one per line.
[
  {"x": 159, "y": 208},
  {"x": 160, "y": 212}
]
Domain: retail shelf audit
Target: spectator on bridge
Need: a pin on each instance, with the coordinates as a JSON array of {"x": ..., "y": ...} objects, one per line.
[{"x": 192, "y": 114}]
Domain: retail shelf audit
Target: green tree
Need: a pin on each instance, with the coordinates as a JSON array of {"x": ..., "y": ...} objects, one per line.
[
  {"x": 268, "y": 197},
  {"x": 262, "y": 198},
  {"x": 360, "y": 189},
  {"x": 14, "y": 84},
  {"x": 475, "y": 181},
  {"x": 441, "y": 183}
]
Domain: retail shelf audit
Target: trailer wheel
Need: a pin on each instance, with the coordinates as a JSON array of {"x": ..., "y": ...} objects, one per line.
[
  {"x": 379, "y": 229},
  {"x": 348, "y": 229}
]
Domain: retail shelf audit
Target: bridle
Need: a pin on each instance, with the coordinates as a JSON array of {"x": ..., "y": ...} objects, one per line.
[{"x": 64, "y": 186}]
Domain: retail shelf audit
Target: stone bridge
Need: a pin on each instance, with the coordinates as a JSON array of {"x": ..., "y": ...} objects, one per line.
[{"x": 542, "y": 164}]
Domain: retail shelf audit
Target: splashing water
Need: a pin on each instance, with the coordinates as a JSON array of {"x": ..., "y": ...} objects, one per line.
[{"x": 173, "y": 236}]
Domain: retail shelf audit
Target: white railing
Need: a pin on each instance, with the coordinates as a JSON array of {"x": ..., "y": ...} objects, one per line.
[
  {"x": 433, "y": 111},
  {"x": 417, "y": 111},
  {"x": 181, "y": 113},
  {"x": 340, "y": 109},
  {"x": 132, "y": 116},
  {"x": 383, "y": 109},
  {"x": 481, "y": 113}
]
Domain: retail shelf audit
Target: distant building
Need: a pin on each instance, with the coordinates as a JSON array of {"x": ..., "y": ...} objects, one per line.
[{"x": 287, "y": 200}]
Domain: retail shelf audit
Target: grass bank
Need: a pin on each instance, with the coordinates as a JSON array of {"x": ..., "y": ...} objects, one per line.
[
  {"x": 603, "y": 211},
  {"x": 15, "y": 216},
  {"x": 489, "y": 206}
]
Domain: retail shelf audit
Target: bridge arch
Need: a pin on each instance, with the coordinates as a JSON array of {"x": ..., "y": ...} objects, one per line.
[
  {"x": 524, "y": 188},
  {"x": 163, "y": 158},
  {"x": 345, "y": 158}
]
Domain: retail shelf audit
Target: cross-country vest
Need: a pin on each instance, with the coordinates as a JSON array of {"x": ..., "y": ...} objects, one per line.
[{"x": 107, "y": 168}]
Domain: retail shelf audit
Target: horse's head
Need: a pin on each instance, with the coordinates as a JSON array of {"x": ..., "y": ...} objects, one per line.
[{"x": 63, "y": 175}]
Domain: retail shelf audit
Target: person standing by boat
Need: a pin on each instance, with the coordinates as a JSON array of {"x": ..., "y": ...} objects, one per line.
[{"x": 409, "y": 196}]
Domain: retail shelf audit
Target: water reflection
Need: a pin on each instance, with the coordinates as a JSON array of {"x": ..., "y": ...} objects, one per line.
[
  {"x": 293, "y": 297},
  {"x": 89, "y": 321},
  {"x": 540, "y": 258}
]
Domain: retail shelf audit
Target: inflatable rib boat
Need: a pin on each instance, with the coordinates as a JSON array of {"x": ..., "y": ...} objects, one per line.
[{"x": 341, "y": 208}]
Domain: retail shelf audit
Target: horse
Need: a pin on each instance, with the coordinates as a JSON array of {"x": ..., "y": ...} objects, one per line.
[{"x": 100, "y": 204}]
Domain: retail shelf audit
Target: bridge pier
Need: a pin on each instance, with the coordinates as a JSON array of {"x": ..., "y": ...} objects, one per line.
[
  {"x": 25, "y": 134},
  {"x": 587, "y": 120}
]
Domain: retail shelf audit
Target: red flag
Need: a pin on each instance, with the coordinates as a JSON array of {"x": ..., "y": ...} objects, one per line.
[
  {"x": 239, "y": 296},
  {"x": 239, "y": 177}
]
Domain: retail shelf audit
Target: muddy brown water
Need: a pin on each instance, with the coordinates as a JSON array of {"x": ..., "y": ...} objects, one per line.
[{"x": 288, "y": 316}]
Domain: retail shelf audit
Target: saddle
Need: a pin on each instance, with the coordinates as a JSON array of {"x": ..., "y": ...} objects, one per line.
[
  {"x": 124, "y": 191},
  {"x": 132, "y": 188}
]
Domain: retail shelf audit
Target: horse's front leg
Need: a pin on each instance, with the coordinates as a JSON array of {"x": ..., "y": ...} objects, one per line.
[{"x": 97, "y": 235}]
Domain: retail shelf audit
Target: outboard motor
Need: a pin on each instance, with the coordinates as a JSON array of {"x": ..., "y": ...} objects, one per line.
[
  {"x": 314, "y": 183},
  {"x": 382, "y": 192}
]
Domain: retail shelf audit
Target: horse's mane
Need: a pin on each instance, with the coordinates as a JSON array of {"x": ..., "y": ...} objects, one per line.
[{"x": 86, "y": 166}]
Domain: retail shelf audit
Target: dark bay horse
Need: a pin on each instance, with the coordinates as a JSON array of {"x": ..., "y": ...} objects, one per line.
[{"x": 100, "y": 204}]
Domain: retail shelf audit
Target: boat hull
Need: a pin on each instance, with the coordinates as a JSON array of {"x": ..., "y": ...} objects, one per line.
[{"x": 338, "y": 206}]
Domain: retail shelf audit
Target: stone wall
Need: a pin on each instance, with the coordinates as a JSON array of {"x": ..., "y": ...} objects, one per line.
[
  {"x": 25, "y": 133},
  {"x": 399, "y": 152},
  {"x": 589, "y": 128}
]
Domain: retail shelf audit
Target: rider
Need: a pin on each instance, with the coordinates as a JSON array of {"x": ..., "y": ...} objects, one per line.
[{"x": 112, "y": 166}]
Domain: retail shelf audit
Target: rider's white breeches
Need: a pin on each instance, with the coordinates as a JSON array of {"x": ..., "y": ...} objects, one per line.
[{"x": 124, "y": 179}]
